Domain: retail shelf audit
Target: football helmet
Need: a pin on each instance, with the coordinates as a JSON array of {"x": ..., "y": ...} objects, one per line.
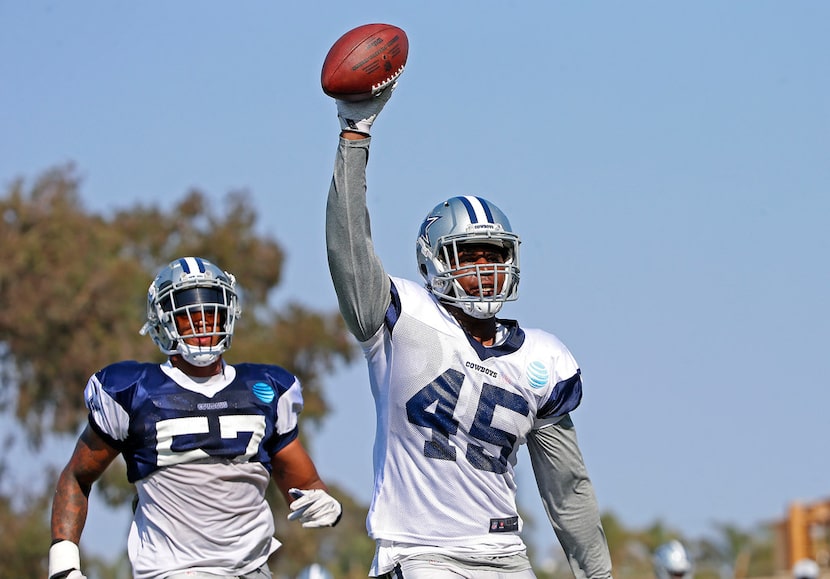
[
  {"x": 672, "y": 562},
  {"x": 194, "y": 288},
  {"x": 468, "y": 220},
  {"x": 806, "y": 569},
  {"x": 314, "y": 571}
]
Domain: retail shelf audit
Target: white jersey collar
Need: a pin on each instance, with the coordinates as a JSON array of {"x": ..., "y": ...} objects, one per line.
[{"x": 207, "y": 386}]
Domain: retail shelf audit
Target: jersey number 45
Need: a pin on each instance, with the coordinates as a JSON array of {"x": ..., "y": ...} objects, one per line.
[{"x": 434, "y": 406}]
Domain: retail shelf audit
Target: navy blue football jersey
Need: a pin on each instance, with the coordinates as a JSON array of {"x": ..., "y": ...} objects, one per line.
[{"x": 246, "y": 414}]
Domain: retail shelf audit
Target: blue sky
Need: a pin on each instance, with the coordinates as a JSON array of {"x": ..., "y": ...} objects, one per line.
[{"x": 666, "y": 164}]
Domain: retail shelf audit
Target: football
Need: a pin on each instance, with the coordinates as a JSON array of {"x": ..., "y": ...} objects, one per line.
[{"x": 364, "y": 61}]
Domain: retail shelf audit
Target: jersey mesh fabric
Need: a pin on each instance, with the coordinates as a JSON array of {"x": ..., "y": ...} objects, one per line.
[{"x": 215, "y": 513}]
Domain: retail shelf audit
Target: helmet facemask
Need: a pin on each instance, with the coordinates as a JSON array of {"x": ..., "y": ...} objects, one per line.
[
  {"x": 447, "y": 232},
  {"x": 496, "y": 281},
  {"x": 191, "y": 311}
]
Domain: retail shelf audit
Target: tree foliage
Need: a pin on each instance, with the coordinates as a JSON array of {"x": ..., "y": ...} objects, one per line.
[{"x": 24, "y": 537}]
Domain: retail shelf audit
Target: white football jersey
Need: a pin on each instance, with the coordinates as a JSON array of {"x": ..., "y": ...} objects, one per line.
[
  {"x": 451, "y": 417},
  {"x": 199, "y": 452}
]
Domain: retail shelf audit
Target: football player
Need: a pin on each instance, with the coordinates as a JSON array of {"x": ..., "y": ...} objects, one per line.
[
  {"x": 201, "y": 440},
  {"x": 806, "y": 569},
  {"x": 457, "y": 390},
  {"x": 672, "y": 562}
]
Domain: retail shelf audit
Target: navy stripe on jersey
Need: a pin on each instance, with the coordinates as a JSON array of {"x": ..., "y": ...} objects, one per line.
[
  {"x": 396, "y": 573},
  {"x": 566, "y": 396},
  {"x": 393, "y": 312}
]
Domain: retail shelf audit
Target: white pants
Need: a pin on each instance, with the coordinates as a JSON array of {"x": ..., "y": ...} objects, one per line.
[
  {"x": 261, "y": 573},
  {"x": 424, "y": 569}
]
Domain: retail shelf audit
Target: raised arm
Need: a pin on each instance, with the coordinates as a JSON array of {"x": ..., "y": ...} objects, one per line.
[
  {"x": 569, "y": 499},
  {"x": 361, "y": 284}
]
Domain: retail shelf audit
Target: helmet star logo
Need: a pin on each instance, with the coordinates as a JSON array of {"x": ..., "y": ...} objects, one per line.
[{"x": 427, "y": 224}]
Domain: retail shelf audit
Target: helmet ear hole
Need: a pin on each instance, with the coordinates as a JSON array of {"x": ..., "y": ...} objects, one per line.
[{"x": 423, "y": 269}]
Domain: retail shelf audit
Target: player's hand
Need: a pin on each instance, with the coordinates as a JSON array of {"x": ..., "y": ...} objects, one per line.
[
  {"x": 314, "y": 508},
  {"x": 358, "y": 116}
]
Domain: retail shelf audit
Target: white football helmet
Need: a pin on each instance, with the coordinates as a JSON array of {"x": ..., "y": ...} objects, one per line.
[
  {"x": 188, "y": 286},
  {"x": 806, "y": 569},
  {"x": 468, "y": 220},
  {"x": 314, "y": 571},
  {"x": 672, "y": 562}
]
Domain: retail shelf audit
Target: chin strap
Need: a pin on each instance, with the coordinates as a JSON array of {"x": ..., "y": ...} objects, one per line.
[
  {"x": 481, "y": 310},
  {"x": 200, "y": 360}
]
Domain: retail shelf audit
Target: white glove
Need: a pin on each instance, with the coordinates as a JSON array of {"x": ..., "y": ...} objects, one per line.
[
  {"x": 358, "y": 116},
  {"x": 64, "y": 561},
  {"x": 314, "y": 508}
]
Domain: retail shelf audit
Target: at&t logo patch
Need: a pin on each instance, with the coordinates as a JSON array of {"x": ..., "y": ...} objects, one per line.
[{"x": 537, "y": 374}]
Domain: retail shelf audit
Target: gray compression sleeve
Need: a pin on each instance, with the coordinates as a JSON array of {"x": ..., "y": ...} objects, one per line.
[
  {"x": 569, "y": 500},
  {"x": 361, "y": 284}
]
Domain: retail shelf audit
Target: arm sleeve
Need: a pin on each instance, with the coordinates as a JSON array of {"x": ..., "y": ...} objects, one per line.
[
  {"x": 569, "y": 499},
  {"x": 361, "y": 284}
]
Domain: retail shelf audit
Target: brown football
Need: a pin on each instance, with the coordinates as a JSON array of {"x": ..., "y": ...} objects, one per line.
[{"x": 364, "y": 61}]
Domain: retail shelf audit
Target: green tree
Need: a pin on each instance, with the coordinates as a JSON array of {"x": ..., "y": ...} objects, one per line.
[
  {"x": 24, "y": 536},
  {"x": 745, "y": 553}
]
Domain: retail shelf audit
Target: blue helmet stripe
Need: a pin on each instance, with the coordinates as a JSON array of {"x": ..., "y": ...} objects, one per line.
[
  {"x": 476, "y": 208},
  {"x": 188, "y": 263},
  {"x": 469, "y": 207},
  {"x": 486, "y": 207}
]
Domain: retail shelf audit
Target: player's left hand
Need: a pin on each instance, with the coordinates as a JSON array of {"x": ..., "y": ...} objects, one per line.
[
  {"x": 314, "y": 508},
  {"x": 358, "y": 116}
]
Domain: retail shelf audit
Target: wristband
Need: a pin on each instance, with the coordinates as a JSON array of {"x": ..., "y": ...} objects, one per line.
[
  {"x": 63, "y": 556},
  {"x": 363, "y": 126}
]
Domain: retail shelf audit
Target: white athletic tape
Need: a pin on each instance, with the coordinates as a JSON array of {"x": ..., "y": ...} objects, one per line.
[{"x": 64, "y": 555}]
